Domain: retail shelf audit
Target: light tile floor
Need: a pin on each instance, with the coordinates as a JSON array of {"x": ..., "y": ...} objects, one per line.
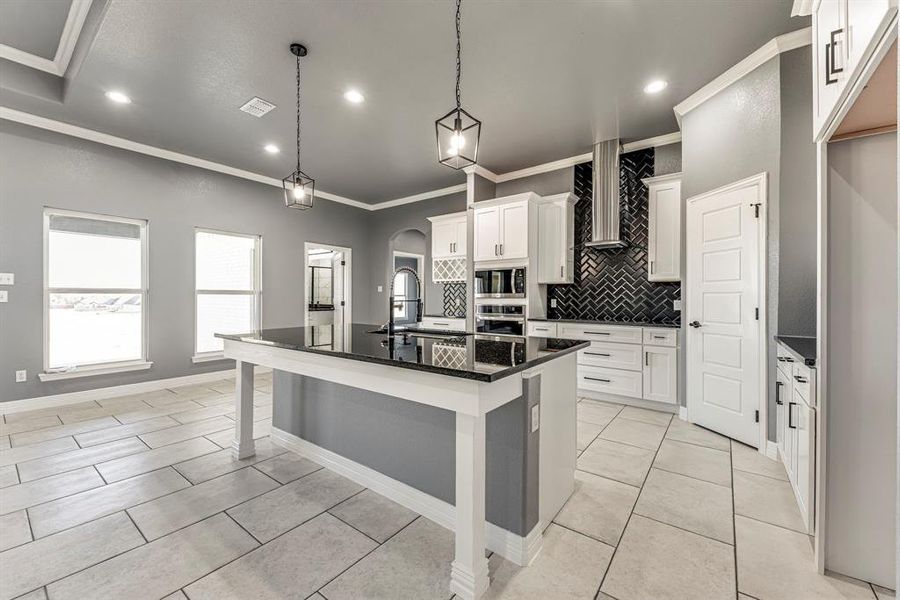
[{"x": 139, "y": 497}]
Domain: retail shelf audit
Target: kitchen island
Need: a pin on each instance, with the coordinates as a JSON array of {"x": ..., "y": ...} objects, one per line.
[{"x": 527, "y": 471}]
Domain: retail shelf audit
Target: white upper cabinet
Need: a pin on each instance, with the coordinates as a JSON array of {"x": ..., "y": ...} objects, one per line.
[
  {"x": 845, "y": 35},
  {"x": 556, "y": 233},
  {"x": 448, "y": 235},
  {"x": 501, "y": 231},
  {"x": 664, "y": 228}
]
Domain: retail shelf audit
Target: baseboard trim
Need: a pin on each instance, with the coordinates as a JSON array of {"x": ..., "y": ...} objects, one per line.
[
  {"x": 520, "y": 550},
  {"x": 772, "y": 449},
  {"x": 629, "y": 401},
  {"x": 15, "y": 406}
]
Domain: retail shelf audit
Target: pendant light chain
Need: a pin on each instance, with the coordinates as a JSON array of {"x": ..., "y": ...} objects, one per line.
[
  {"x": 458, "y": 52},
  {"x": 298, "y": 112}
]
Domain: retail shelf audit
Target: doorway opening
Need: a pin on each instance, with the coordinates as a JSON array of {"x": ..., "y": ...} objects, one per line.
[
  {"x": 327, "y": 289},
  {"x": 406, "y": 290}
]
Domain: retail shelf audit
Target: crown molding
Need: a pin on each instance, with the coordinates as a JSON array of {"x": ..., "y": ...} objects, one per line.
[
  {"x": 769, "y": 50},
  {"x": 802, "y": 8},
  {"x": 78, "y": 12},
  {"x": 654, "y": 142},
  {"x": 482, "y": 172},
  {"x": 453, "y": 189},
  {"x": 18, "y": 116}
]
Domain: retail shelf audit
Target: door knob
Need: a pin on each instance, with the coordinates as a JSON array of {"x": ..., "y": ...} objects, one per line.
[{"x": 694, "y": 324}]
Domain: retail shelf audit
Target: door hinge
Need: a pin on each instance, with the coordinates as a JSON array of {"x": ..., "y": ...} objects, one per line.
[
  {"x": 757, "y": 313},
  {"x": 343, "y": 263},
  {"x": 342, "y": 303},
  {"x": 756, "y": 209},
  {"x": 757, "y": 416}
]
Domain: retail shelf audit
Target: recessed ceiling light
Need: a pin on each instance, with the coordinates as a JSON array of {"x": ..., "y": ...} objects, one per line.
[
  {"x": 354, "y": 96},
  {"x": 271, "y": 149},
  {"x": 118, "y": 97},
  {"x": 655, "y": 87}
]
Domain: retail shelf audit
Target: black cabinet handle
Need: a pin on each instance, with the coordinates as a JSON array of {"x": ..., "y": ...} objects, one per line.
[
  {"x": 801, "y": 379},
  {"x": 596, "y": 379},
  {"x": 791, "y": 406},
  {"x": 596, "y": 333},
  {"x": 830, "y": 63},
  {"x": 646, "y": 359},
  {"x": 778, "y": 400},
  {"x": 597, "y": 354}
]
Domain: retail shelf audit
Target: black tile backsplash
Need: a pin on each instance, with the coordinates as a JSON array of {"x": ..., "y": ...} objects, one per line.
[
  {"x": 455, "y": 299},
  {"x": 611, "y": 284}
]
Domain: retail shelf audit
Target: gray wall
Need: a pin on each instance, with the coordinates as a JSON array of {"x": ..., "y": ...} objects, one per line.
[
  {"x": 543, "y": 184},
  {"x": 382, "y": 226},
  {"x": 415, "y": 444},
  {"x": 797, "y": 199},
  {"x": 666, "y": 159},
  {"x": 40, "y": 168},
  {"x": 862, "y": 359},
  {"x": 731, "y": 136}
]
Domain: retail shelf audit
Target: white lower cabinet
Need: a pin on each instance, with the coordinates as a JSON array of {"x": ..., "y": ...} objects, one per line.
[
  {"x": 660, "y": 374},
  {"x": 626, "y": 361},
  {"x": 796, "y": 430}
]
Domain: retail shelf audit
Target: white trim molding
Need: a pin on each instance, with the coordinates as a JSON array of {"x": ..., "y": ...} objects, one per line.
[
  {"x": 108, "y": 369},
  {"x": 518, "y": 549},
  {"x": 654, "y": 142},
  {"x": 453, "y": 189},
  {"x": 78, "y": 12},
  {"x": 771, "y": 49},
  {"x": 25, "y": 118}
]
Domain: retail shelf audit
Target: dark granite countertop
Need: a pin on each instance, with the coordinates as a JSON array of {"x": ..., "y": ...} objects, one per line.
[
  {"x": 476, "y": 357},
  {"x": 804, "y": 347},
  {"x": 629, "y": 323}
]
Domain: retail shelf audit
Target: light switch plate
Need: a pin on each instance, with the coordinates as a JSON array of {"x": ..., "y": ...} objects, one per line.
[
  {"x": 535, "y": 417},
  {"x": 380, "y": 289},
  {"x": 7, "y": 279},
  {"x": 4, "y": 296},
  {"x": 21, "y": 376},
  {"x": 552, "y": 302},
  {"x": 676, "y": 305}
]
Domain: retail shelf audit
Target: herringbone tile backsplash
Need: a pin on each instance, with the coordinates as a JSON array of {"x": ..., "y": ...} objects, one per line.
[
  {"x": 455, "y": 299},
  {"x": 611, "y": 285}
]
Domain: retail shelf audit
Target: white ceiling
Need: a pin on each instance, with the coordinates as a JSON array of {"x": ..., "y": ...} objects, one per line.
[{"x": 547, "y": 78}]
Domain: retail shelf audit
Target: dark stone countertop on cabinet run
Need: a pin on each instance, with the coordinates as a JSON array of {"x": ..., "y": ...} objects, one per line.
[
  {"x": 628, "y": 323},
  {"x": 803, "y": 347},
  {"x": 476, "y": 357}
]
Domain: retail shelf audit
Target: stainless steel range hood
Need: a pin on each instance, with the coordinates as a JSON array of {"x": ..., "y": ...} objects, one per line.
[{"x": 606, "y": 232}]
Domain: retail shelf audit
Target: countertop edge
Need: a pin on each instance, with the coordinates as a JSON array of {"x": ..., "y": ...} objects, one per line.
[{"x": 786, "y": 341}]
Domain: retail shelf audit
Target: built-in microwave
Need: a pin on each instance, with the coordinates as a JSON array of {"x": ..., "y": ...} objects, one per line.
[
  {"x": 500, "y": 283},
  {"x": 500, "y": 319}
]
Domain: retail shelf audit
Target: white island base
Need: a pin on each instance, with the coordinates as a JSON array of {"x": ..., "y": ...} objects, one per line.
[{"x": 470, "y": 400}]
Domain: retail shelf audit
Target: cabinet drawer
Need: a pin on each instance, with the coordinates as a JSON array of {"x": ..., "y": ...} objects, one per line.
[
  {"x": 785, "y": 361},
  {"x": 802, "y": 377},
  {"x": 601, "y": 333},
  {"x": 654, "y": 336},
  {"x": 541, "y": 329},
  {"x": 614, "y": 356},
  {"x": 443, "y": 324},
  {"x": 610, "y": 381}
]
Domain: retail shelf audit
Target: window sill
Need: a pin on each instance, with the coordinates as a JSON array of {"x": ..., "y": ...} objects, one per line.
[
  {"x": 211, "y": 357},
  {"x": 96, "y": 370}
]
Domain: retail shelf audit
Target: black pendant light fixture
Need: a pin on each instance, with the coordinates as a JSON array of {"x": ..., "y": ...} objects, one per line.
[
  {"x": 299, "y": 188},
  {"x": 457, "y": 132}
]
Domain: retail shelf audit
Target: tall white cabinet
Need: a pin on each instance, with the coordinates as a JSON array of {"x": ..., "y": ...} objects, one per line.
[
  {"x": 501, "y": 231},
  {"x": 556, "y": 238},
  {"x": 664, "y": 227}
]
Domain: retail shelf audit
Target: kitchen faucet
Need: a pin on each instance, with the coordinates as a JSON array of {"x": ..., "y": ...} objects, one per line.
[{"x": 392, "y": 301}]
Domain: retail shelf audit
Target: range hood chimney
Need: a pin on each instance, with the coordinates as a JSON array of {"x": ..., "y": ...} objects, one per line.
[{"x": 606, "y": 232}]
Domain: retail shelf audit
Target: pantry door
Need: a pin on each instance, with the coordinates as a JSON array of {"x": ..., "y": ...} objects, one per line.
[{"x": 726, "y": 310}]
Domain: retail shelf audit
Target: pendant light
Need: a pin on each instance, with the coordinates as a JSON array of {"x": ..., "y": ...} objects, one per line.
[
  {"x": 457, "y": 132},
  {"x": 299, "y": 188}
]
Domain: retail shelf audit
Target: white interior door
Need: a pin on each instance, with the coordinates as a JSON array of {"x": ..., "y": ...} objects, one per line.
[{"x": 725, "y": 372}]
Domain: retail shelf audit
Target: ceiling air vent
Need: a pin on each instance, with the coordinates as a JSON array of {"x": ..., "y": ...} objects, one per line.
[{"x": 257, "y": 107}]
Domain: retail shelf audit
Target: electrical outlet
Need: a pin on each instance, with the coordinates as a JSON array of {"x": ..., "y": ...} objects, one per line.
[
  {"x": 380, "y": 288},
  {"x": 21, "y": 376},
  {"x": 553, "y": 303},
  {"x": 4, "y": 296},
  {"x": 535, "y": 417},
  {"x": 676, "y": 305},
  {"x": 7, "y": 279}
]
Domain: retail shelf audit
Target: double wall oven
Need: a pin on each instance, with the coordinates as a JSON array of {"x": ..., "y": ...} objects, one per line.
[{"x": 500, "y": 319}]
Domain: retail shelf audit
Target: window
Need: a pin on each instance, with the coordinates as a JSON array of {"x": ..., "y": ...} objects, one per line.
[
  {"x": 95, "y": 292},
  {"x": 228, "y": 288},
  {"x": 401, "y": 306}
]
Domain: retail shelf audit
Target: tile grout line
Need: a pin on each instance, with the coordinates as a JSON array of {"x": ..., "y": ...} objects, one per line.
[
  {"x": 692, "y": 477},
  {"x": 773, "y": 525},
  {"x": 703, "y": 535},
  {"x": 737, "y": 589},
  {"x": 630, "y": 514}
]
